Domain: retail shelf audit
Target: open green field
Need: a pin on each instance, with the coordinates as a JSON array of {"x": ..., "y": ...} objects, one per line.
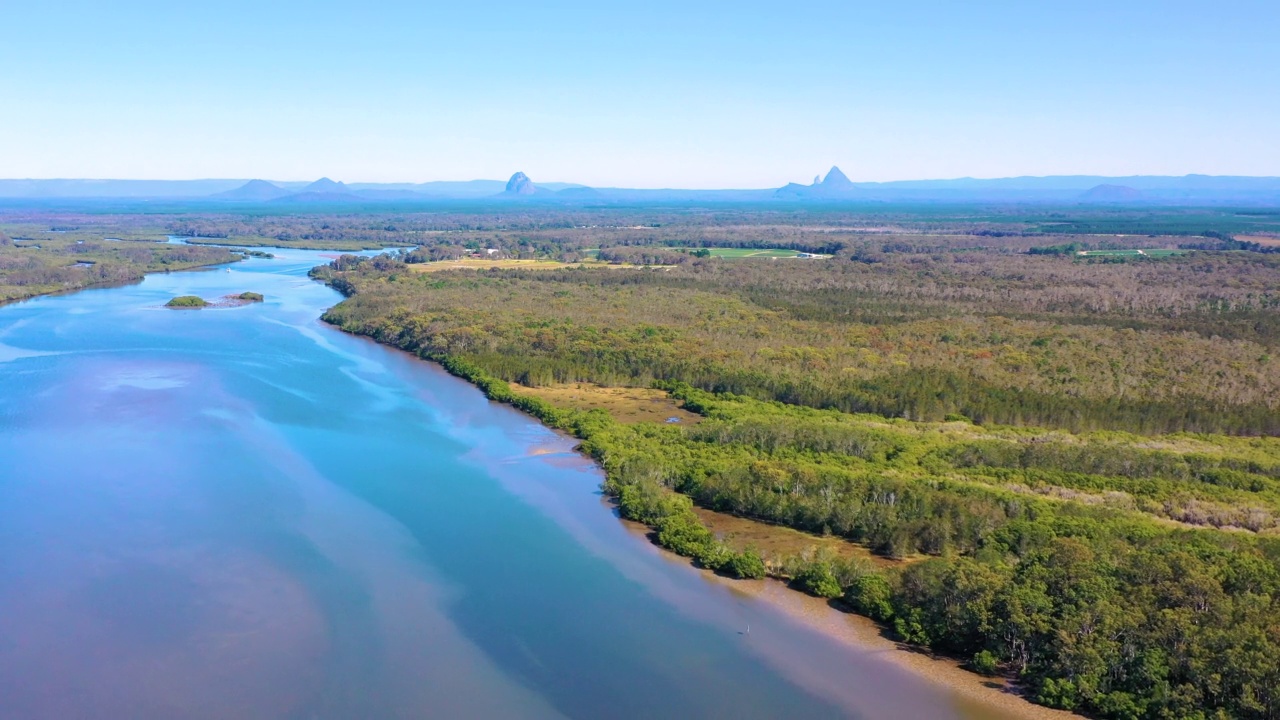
[
  {"x": 1151, "y": 252},
  {"x": 728, "y": 252},
  {"x": 748, "y": 252}
]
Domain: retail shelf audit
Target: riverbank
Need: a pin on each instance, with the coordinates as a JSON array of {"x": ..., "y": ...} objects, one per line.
[
  {"x": 9, "y": 300},
  {"x": 1029, "y": 537},
  {"x": 981, "y": 697},
  {"x": 407, "y": 550},
  {"x": 61, "y": 266},
  {"x": 988, "y": 698}
]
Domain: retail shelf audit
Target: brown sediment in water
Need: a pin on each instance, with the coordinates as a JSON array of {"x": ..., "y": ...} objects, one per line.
[
  {"x": 563, "y": 455},
  {"x": 977, "y": 697},
  {"x": 231, "y": 301},
  {"x": 980, "y": 696}
]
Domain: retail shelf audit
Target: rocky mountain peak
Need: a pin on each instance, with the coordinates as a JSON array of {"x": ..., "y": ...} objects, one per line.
[
  {"x": 325, "y": 185},
  {"x": 836, "y": 179},
  {"x": 520, "y": 184}
]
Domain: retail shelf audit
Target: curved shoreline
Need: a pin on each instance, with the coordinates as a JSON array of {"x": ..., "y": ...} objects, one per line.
[
  {"x": 310, "y": 247},
  {"x": 979, "y": 697},
  {"x": 986, "y": 697},
  {"x": 107, "y": 284},
  {"x": 990, "y": 696}
]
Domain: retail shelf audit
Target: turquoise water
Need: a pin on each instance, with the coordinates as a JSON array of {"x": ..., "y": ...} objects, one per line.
[{"x": 242, "y": 513}]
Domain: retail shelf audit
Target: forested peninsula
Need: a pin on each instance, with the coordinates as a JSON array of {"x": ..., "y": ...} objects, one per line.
[
  {"x": 1070, "y": 461},
  {"x": 59, "y": 264}
]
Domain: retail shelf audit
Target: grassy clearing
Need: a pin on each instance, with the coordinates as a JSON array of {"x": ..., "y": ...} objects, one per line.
[
  {"x": 736, "y": 253},
  {"x": 1263, "y": 240},
  {"x": 627, "y": 404},
  {"x": 776, "y": 543},
  {"x": 29, "y": 233},
  {"x": 747, "y": 252},
  {"x": 484, "y": 264},
  {"x": 252, "y": 241},
  {"x": 1144, "y": 252},
  {"x": 511, "y": 264}
]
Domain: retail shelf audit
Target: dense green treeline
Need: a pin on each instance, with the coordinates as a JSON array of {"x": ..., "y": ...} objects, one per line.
[
  {"x": 1086, "y": 561},
  {"x": 1094, "y": 608},
  {"x": 1067, "y": 460},
  {"x": 869, "y": 232},
  {"x": 1035, "y": 440},
  {"x": 841, "y": 334},
  {"x": 60, "y": 264}
]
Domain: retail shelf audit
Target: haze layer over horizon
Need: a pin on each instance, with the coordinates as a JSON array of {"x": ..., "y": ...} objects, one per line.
[{"x": 716, "y": 95}]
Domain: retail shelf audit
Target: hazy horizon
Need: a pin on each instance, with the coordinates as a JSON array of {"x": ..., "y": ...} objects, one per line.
[
  {"x": 705, "y": 96},
  {"x": 557, "y": 182}
]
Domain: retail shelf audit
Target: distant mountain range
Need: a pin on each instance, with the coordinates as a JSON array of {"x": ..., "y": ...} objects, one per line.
[
  {"x": 835, "y": 187},
  {"x": 1112, "y": 194},
  {"x": 254, "y": 191}
]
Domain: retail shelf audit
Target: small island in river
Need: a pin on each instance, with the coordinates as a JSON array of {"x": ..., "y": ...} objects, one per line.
[
  {"x": 187, "y": 301},
  {"x": 226, "y": 301}
]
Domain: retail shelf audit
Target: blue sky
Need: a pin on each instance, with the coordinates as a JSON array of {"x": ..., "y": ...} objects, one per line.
[{"x": 654, "y": 94}]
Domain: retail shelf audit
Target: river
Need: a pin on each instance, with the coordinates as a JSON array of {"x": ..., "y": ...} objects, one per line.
[{"x": 243, "y": 513}]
